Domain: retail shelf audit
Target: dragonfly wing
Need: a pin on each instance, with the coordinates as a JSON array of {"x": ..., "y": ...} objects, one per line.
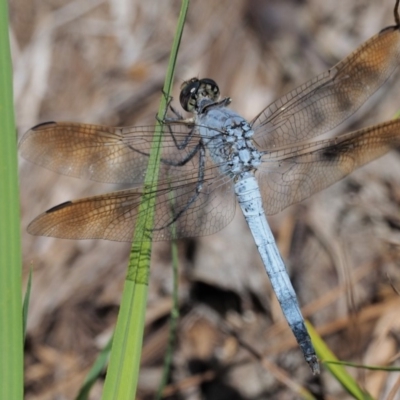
[
  {"x": 100, "y": 153},
  {"x": 290, "y": 175},
  {"x": 113, "y": 216},
  {"x": 325, "y": 101}
]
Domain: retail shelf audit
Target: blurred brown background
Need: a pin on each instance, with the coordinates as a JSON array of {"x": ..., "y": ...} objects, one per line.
[{"x": 104, "y": 62}]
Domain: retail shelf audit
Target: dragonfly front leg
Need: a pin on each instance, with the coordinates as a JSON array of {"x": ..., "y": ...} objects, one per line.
[
  {"x": 168, "y": 99},
  {"x": 179, "y": 120},
  {"x": 178, "y": 115}
]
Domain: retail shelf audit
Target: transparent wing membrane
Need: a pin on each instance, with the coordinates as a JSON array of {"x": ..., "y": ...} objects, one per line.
[
  {"x": 179, "y": 211},
  {"x": 292, "y": 175},
  {"x": 327, "y": 100},
  {"x": 102, "y": 153}
]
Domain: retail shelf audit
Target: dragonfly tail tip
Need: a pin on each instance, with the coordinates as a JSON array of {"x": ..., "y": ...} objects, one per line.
[{"x": 314, "y": 364}]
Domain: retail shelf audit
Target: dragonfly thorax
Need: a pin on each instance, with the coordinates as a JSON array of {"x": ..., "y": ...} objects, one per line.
[
  {"x": 229, "y": 139},
  {"x": 244, "y": 156}
]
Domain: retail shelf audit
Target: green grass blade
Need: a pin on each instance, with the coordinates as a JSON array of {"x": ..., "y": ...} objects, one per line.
[
  {"x": 173, "y": 323},
  {"x": 25, "y": 307},
  {"x": 338, "y": 371},
  {"x": 96, "y": 370},
  {"x": 123, "y": 371},
  {"x": 11, "y": 339}
]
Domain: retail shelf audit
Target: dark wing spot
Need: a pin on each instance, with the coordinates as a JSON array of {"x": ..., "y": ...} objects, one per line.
[
  {"x": 38, "y": 126},
  {"x": 330, "y": 153},
  {"x": 333, "y": 152},
  {"x": 390, "y": 28},
  {"x": 59, "y": 207}
]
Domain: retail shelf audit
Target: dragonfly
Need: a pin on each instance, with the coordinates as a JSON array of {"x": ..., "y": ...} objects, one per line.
[{"x": 216, "y": 158}]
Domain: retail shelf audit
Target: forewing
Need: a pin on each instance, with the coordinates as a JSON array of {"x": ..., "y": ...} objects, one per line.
[
  {"x": 113, "y": 216},
  {"x": 289, "y": 176},
  {"x": 100, "y": 153},
  {"x": 325, "y": 101}
]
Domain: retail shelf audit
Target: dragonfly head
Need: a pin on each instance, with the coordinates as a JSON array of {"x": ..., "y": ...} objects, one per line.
[{"x": 194, "y": 90}]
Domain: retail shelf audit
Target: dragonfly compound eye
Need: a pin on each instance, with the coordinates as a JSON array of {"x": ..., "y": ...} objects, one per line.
[{"x": 196, "y": 89}]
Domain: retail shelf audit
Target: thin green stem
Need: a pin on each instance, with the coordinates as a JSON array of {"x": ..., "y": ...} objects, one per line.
[
  {"x": 173, "y": 323},
  {"x": 123, "y": 371}
]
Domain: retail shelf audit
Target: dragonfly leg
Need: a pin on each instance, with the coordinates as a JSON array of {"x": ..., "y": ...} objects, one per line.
[
  {"x": 181, "y": 145},
  {"x": 178, "y": 116},
  {"x": 178, "y": 120},
  {"x": 169, "y": 99},
  {"x": 184, "y": 161},
  {"x": 199, "y": 186},
  {"x": 174, "y": 111},
  {"x": 170, "y": 162}
]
